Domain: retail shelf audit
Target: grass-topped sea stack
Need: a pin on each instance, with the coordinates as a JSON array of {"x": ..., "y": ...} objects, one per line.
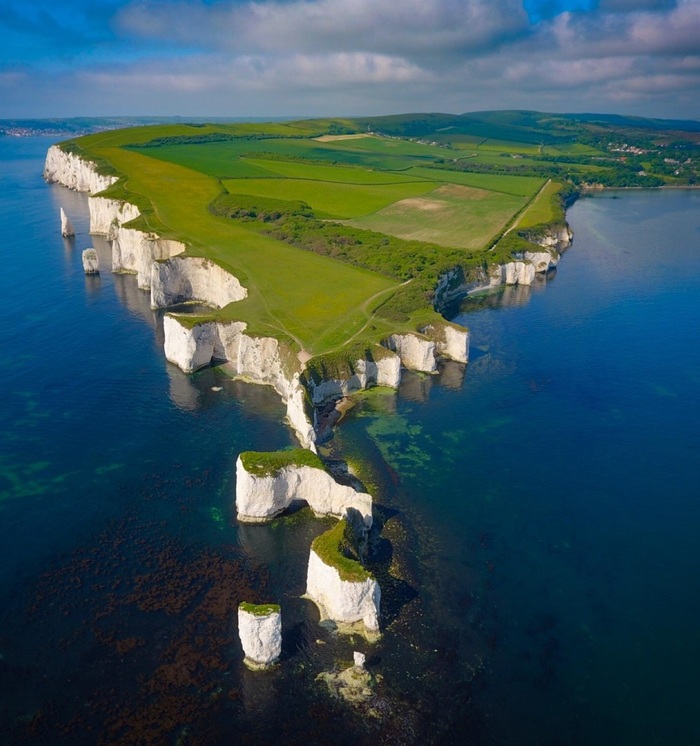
[
  {"x": 345, "y": 592},
  {"x": 268, "y": 483},
  {"x": 260, "y": 630}
]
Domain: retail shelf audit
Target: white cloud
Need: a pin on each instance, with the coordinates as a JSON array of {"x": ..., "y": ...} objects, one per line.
[
  {"x": 421, "y": 28},
  {"x": 267, "y": 57}
]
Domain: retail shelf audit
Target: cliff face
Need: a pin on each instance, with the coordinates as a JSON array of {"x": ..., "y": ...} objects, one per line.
[
  {"x": 344, "y": 602},
  {"x": 75, "y": 173},
  {"x": 261, "y": 498},
  {"x": 558, "y": 237},
  {"x": 518, "y": 273},
  {"x": 383, "y": 371},
  {"x": 106, "y": 215},
  {"x": 256, "y": 359},
  {"x": 451, "y": 341},
  {"x": 181, "y": 279},
  {"x": 416, "y": 352},
  {"x": 132, "y": 250},
  {"x": 542, "y": 261}
]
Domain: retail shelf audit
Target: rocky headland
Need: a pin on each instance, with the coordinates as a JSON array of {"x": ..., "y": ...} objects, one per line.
[{"x": 346, "y": 594}]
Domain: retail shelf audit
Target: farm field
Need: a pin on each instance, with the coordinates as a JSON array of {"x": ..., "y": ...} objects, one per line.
[
  {"x": 330, "y": 199},
  {"x": 451, "y": 215},
  {"x": 523, "y": 186},
  {"x": 540, "y": 211},
  {"x": 340, "y": 174}
]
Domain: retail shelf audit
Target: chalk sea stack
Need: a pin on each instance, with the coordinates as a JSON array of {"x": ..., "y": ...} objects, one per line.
[
  {"x": 66, "y": 225},
  {"x": 260, "y": 630},
  {"x": 91, "y": 264}
]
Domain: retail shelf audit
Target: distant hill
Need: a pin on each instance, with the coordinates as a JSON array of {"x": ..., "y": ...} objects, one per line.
[{"x": 531, "y": 127}]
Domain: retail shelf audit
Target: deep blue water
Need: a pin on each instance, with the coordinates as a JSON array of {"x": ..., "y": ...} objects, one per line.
[{"x": 540, "y": 508}]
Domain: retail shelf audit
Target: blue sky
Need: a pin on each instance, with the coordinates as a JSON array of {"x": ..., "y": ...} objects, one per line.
[{"x": 336, "y": 57}]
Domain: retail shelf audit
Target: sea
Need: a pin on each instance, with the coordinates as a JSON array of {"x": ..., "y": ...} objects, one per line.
[{"x": 539, "y": 508}]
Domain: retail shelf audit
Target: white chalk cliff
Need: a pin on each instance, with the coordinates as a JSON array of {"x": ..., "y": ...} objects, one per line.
[
  {"x": 74, "y": 172},
  {"x": 187, "y": 278},
  {"x": 542, "y": 261},
  {"x": 451, "y": 340},
  {"x": 255, "y": 359},
  {"x": 558, "y": 237},
  {"x": 518, "y": 273},
  {"x": 261, "y": 635},
  {"x": 259, "y": 498},
  {"x": 345, "y": 602},
  {"x": 384, "y": 370},
  {"x": 133, "y": 251},
  {"x": 416, "y": 351}
]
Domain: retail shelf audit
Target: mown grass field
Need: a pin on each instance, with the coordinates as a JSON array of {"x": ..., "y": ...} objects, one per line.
[
  {"x": 540, "y": 211},
  {"x": 330, "y": 199},
  {"x": 450, "y": 215},
  {"x": 339, "y": 174},
  {"x": 522, "y": 186}
]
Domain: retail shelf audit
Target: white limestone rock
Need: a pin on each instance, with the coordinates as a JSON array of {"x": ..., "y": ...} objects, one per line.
[
  {"x": 518, "y": 273},
  {"x": 133, "y": 251},
  {"x": 255, "y": 359},
  {"x": 260, "y": 631},
  {"x": 259, "y": 498},
  {"x": 189, "y": 347},
  {"x": 74, "y": 172},
  {"x": 359, "y": 659},
  {"x": 542, "y": 260},
  {"x": 186, "y": 278},
  {"x": 91, "y": 264},
  {"x": 67, "y": 228},
  {"x": 559, "y": 237},
  {"x": 345, "y": 602},
  {"x": 451, "y": 341},
  {"x": 384, "y": 370},
  {"x": 416, "y": 351},
  {"x": 106, "y": 215},
  {"x": 137, "y": 252}
]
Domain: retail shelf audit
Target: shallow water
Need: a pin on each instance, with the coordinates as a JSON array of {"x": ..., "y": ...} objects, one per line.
[{"x": 538, "y": 556}]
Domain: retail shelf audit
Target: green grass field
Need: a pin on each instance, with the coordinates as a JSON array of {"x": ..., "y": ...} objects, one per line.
[
  {"x": 521, "y": 186},
  {"x": 317, "y": 301},
  {"x": 330, "y": 199},
  {"x": 540, "y": 211},
  {"x": 452, "y": 215},
  {"x": 339, "y": 174}
]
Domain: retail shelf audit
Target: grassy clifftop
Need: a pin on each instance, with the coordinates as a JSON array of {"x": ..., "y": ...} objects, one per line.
[{"x": 340, "y": 229}]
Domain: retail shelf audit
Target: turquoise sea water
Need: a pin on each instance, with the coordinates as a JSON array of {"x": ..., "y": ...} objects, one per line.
[{"x": 539, "y": 553}]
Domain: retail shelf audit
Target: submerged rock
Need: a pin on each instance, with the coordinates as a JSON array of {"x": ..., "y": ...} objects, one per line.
[
  {"x": 260, "y": 630},
  {"x": 91, "y": 263},
  {"x": 355, "y": 684},
  {"x": 67, "y": 228}
]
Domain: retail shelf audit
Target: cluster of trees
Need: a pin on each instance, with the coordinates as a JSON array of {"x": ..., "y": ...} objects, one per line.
[
  {"x": 614, "y": 175},
  {"x": 208, "y": 137},
  {"x": 264, "y": 209}
]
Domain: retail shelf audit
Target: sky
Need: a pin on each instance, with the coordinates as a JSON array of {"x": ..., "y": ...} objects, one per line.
[{"x": 298, "y": 58}]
